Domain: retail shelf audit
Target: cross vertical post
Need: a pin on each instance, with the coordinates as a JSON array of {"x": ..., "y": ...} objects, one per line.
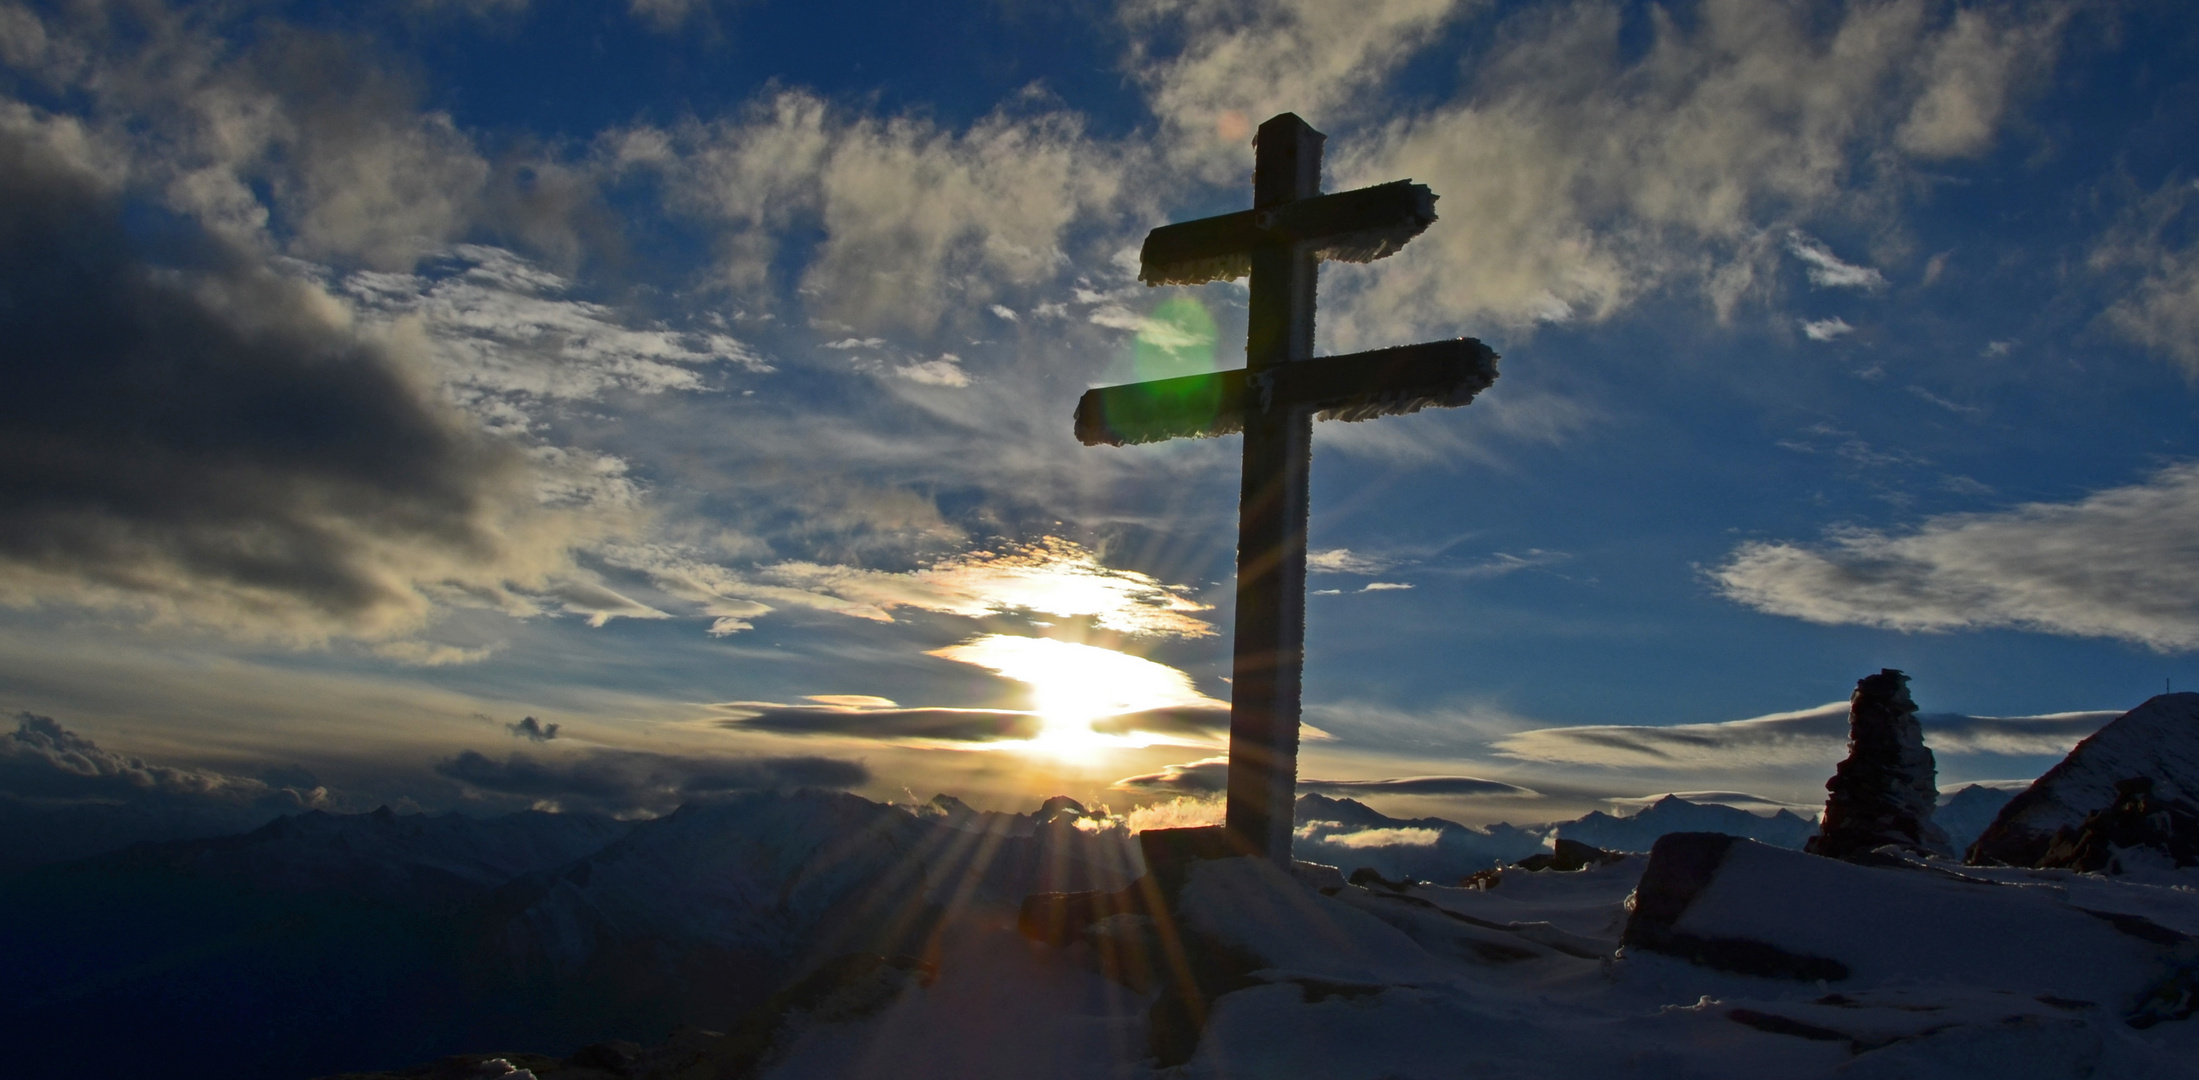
[
  {"x": 1274, "y": 400},
  {"x": 1269, "y": 665}
]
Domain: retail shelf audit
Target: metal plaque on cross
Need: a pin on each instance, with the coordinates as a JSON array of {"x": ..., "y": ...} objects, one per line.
[{"x": 1273, "y": 400}]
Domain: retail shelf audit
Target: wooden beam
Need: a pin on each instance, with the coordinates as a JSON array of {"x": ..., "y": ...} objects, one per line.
[
  {"x": 1349, "y": 226},
  {"x": 1355, "y": 386}
]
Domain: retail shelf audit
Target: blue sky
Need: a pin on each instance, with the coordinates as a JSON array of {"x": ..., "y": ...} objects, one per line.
[{"x": 697, "y": 376}]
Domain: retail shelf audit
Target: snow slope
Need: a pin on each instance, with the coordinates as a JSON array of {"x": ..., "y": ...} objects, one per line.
[
  {"x": 1948, "y": 975},
  {"x": 2159, "y": 739}
]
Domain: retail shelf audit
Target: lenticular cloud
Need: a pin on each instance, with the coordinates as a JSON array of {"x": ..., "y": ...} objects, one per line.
[{"x": 2118, "y": 564}]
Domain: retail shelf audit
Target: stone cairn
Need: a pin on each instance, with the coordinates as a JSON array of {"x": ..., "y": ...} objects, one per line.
[{"x": 1885, "y": 791}]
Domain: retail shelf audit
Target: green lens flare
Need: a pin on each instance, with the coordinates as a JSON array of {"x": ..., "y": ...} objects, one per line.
[{"x": 1177, "y": 339}]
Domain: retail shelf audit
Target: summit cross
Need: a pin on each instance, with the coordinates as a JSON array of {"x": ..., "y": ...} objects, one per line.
[{"x": 1274, "y": 400}]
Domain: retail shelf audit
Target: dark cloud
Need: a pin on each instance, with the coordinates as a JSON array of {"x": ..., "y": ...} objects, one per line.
[
  {"x": 64, "y": 797},
  {"x": 970, "y": 725},
  {"x": 626, "y": 780},
  {"x": 1418, "y": 785},
  {"x": 532, "y": 730},
  {"x": 1188, "y": 721},
  {"x": 949, "y": 725},
  {"x": 1211, "y": 775},
  {"x": 180, "y": 425},
  {"x": 42, "y": 761}
]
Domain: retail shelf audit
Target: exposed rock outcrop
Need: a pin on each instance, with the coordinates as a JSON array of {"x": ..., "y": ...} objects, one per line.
[
  {"x": 1885, "y": 791},
  {"x": 2158, "y": 741},
  {"x": 1570, "y": 855},
  {"x": 2138, "y": 830}
]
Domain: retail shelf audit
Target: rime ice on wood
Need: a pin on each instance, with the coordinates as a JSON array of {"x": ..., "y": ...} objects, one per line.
[
  {"x": 1885, "y": 791},
  {"x": 1274, "y": 400}
]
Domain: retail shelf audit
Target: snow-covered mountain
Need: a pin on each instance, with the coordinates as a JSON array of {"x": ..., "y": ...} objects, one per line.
[
  {"x": 2159, "y": 740},
  {"x": 1965, "y": 811},
  {"x": 1672, "y": 814},
  {"x": 323, "y": 942},
  {"x": 1350, "y": 834}
]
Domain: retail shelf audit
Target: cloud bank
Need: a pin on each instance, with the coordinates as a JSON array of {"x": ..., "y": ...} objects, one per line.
[
  {"x": 1808, "y": 738},
  {"x": 2116, "y": 564},
  {"x": 1211, "y": 775},
  {"x": 204, "y": 438},
  {"x": 628, "y": 781}
]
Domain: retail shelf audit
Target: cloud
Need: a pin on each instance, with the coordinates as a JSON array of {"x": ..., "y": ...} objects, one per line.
[
  {"x": 1828, "y": 271},
  {"x": 1049, "y": 576},
  {"x": 2054, "y": 734},
  {"x": 1418, "y": 785},
  {"x": 1378, "y": 838},
  {"x": 532, "y": 730},
  {"x": 45, "y": 763},
  {"x": 1739, "y": 800},
  {"x": 431, "y": 654},
  {"x": 945, "y": 371},
  {"x": 1384, "y": 586},
  {"x": 1237, "y": 64},
  {"x": 915, "y": 219},
  {"x": 1183, "y": 723},
  {"x": 628, "y": 781},
  {"x": 2160, "y": 310},
  {"x": 1210, "y": 775},
  {"x": 857, "y": 716},
  {"x": 1825, "y": 329},
  {"x": 1973, "y": 69},
  {"x": 223, "y": 444},
  {"x": 505, "y": 339},
  {"x": 1426, "y": 733},
  {"x": 1813, "y": 738},
  {"x": 666, "y": 15},
  {"x": 1203, "y": 777},
  {"x": 888, "y": 724},
  {"x": 2117, "y": 564},
  {"x": 1679, "y": 161},
  {"x": 1346, "y": 561}
]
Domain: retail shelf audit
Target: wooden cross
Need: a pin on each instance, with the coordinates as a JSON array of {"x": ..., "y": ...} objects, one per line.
[{"x": 1274, "y": 400}]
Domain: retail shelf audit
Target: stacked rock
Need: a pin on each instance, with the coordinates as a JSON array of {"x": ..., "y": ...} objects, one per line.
[{"x": 1885, "y": 791}]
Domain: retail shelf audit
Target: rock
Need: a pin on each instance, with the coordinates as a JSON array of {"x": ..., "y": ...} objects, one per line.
[
  {"x": 2158, "y": 740},
  {"x": 1570, "y": 855},
  {"x": 1885, "y": 792},
  {"x": 1748, "y": 908},
  {"x": 2110, "y": 839}
]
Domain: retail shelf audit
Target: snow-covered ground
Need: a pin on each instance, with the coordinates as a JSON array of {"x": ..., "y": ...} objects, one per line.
[{"x": 1949, "y": 972}]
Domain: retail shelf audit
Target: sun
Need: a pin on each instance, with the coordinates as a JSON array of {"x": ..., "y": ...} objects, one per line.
[{"x": 1073, "y": 685}]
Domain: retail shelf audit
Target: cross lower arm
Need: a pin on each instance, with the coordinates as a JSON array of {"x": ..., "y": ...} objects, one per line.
[{"x": 1356, "y": 386}]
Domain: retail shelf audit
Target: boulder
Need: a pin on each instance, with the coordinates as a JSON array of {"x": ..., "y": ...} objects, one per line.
[
  {"x": 1752, "y": 909},
  {"x": 1885, "y": 792},
  {"x": 2158, "y": 741}
]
